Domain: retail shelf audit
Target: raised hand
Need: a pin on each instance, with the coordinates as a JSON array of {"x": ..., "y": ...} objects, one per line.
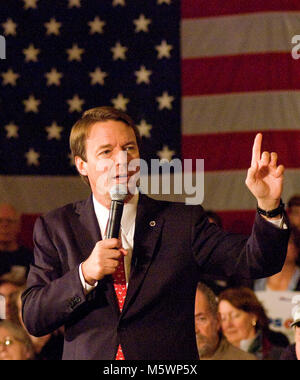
[{"x": 264, "y": 177}]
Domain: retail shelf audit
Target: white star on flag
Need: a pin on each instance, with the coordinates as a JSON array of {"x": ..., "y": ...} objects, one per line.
[
  {"x": 74, "y": 3},
  {"x": 54, "y": 131},
  {"x": 165, "y": 101},
  {"x": 164, "y": 50},
  {"x": 32, "y": 157},
  {"x": 31, "y": 104},
  {"x": 30, "y": 4},
  {"x": 31, "y": 53},
  {"x": 118, "y": 2},
  {"x": 96, "y": 26},
  {"x": 142, "y": 24},
  {"x": 143, "y": 75},
  {"x": 98, "y": 76},
  {"x": 75, "y": 53},
  {"x": 53, "y": 27},
  {"x": 75, "y": 104},
  {"x": 9, "y": 27},
  {"x": 165, "y": 154},
  {"x": 53, "y": 77},
  {"x": 144, "y": 128},
  {"x": 119, "y": 51},
  {"x": 120, "y": 102},
  {"x": 10, "y": 77},
  {"x": 12, "y": 130}
]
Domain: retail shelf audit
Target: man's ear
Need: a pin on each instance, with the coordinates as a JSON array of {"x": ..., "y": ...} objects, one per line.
[{"x": 81, "y": 165}]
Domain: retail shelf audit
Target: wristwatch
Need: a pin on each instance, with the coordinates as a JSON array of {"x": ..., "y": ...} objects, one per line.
[{"x": 272, "y": 213}]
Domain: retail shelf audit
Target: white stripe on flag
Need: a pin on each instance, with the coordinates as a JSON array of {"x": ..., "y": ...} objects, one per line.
[
  {"x": 226, "y": 191},
  {"x": 239, "y": 34},
  {"x": 222, "y": 191},
  {"x": 40, "y": 194},
  {"x": 250, "y": 111}
]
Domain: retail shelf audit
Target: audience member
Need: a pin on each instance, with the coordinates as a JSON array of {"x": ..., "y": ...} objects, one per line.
[
  {"x": 14, "y": 342},
  {"x": 292, "y": 352},
  {"x": 11, "y": 252},
  {"x": 211, "y": 343},
  {"x": 289, "y": 277},
  {"x": 293, "y": 211},
  {"x": 246, "y": 325},
  {"x": 10, "y": 283},
  {"x": 47, "y": 347}
]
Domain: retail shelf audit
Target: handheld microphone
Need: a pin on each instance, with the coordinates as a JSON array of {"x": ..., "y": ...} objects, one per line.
[{"x": 118, "y": 193}]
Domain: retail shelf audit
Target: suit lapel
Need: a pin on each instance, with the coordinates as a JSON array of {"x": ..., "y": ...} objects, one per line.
[
  {"x": 148, "y": 228},
  {"x": 88, "y": 231},
  {"x": 89, "y": 234}
]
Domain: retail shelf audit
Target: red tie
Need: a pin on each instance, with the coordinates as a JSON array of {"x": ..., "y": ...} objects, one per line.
[{"x": 120, "y": 288}]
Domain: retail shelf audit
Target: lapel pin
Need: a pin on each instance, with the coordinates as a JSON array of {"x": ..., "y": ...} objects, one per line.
[{"x": 152, "y": 223}]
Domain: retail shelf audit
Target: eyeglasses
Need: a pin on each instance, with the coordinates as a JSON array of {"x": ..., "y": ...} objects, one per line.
[{"x": 8, "y": 341}]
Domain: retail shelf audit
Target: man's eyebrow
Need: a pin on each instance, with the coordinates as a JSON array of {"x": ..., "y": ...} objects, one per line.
[
  {"x": 104, "y": 146},
  {"x": 130, "y": 143},
  {"x": 198, "y": 314}
]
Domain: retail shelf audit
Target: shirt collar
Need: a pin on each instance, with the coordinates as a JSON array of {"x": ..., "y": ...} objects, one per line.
[{"x": 128, "y": 217}]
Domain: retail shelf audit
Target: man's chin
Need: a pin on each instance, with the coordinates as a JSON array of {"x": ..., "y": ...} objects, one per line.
[{"x": 205, "y": 350}]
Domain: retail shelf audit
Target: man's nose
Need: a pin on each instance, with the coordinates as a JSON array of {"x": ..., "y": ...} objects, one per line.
[{"x": 121, "y": 158}]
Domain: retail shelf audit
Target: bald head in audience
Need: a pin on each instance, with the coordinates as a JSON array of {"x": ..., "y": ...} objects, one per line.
[{"x": 9, "y": 227}]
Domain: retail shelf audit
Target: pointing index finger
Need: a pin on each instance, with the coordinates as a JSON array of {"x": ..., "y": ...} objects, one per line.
[{"x": 256, "y": 150}]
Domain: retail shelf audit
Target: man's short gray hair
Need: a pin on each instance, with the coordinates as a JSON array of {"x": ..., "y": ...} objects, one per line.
[{"x": 210, "y": 296}]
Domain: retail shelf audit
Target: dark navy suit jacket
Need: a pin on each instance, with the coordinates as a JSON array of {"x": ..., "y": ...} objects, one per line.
[{"x": 157, "y": 321}]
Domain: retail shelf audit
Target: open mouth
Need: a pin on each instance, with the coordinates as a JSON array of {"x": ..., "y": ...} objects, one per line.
[{"x": 121, "y": 178}]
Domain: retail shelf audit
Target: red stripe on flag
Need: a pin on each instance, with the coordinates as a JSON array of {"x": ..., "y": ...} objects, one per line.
[
  {"x": 202, "y": 8},
  {"x": 27, "y": 225},
  {"x": 232, "y": 151},
  {"x": 240, "y": 73},
  {"x": 237, "y": 221}
]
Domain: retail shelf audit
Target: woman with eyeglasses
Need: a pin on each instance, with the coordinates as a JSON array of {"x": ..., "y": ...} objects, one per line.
[{"x": 14, "y": 342}]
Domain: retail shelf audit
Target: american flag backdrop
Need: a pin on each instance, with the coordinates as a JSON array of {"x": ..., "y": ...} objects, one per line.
[{"x": 199, "y": 77}]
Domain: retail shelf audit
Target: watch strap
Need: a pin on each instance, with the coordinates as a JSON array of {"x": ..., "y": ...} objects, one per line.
[{"x": 272, "y": 213}]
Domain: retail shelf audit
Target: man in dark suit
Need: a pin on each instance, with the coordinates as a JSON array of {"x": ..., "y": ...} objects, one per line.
[{"x": 164, "y": 245}]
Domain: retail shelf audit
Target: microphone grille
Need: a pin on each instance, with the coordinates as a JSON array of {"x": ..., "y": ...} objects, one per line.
[{"x": 118, "y": 192}]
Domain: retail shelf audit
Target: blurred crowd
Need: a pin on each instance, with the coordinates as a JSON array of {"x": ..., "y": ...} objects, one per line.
[
  {"x": 231, "y": 323},
  {"x": 15, "y": 259}
]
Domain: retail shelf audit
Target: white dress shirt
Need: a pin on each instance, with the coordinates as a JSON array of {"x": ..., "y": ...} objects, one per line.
[{"x": 127, "y": 232}]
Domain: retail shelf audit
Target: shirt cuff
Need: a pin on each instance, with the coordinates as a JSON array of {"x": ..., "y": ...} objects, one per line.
[
  {"x": 86, "y": 287},
  {"x": 278, "y": 223}
]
